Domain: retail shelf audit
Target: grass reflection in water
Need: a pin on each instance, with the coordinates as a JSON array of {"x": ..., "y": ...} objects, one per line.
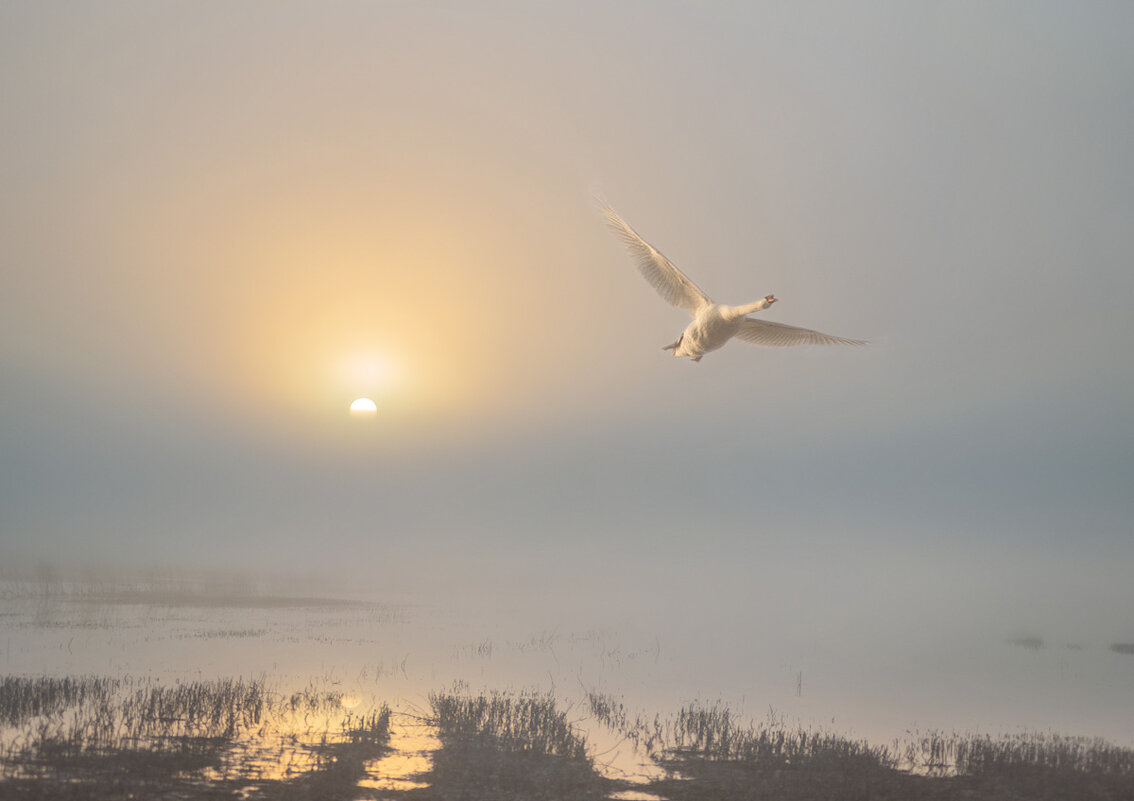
[
  {"x": 102, "y": 738},
  {"x": 94, "y": 737}
]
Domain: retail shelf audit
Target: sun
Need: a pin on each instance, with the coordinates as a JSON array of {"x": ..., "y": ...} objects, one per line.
[{"x": 363, "y": 407}]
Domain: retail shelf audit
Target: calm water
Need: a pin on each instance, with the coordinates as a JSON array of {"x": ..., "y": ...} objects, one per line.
[{"x": 874, "y": 685}]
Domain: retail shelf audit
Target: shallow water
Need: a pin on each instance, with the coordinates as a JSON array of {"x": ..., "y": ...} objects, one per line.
[{"x": 399, "y": 649}]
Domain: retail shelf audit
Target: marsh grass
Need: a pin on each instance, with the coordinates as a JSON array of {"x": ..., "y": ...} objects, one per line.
[
  {"x": 91, "y": 714},
  {"x": 508, "y": 746},
  {"x": 23, "y": 698},
  {"x": 708, "y": 753},
  {"x": 525, "y": 722},
  {"x": 974, "y": 755},
  {"x": 712, "y": 732},
  {"x": 94, "y": 737},
  {"x": 100, "y": 738}
]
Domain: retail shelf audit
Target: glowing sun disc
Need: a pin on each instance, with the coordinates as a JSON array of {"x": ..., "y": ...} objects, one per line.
[{"x": 363, "y": 407}]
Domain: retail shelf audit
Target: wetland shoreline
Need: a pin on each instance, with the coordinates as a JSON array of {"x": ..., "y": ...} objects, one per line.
[
  {"x": 108, "y": 738},
  {"x": 172, "y": 689}
]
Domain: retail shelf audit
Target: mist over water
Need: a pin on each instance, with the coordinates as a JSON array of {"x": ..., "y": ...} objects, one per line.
[
  {"x": 879, "y": 673},
  {"x": 220, "y": 228}
]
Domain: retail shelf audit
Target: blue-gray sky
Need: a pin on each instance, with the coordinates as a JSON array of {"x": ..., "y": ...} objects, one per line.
[{"x": 221, "y": 223}]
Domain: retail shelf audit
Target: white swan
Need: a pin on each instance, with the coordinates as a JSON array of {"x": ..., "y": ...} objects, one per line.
[{"x": 713, "y": 324}]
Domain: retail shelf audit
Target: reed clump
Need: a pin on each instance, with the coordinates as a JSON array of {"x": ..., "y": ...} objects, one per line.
[
  {"x": 525, "y": 722},
  {"x": 712, "y": 732},
  {"x": 507, "y": 745}
]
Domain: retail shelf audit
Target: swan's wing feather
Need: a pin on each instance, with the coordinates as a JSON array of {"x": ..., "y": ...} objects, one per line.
[
  {"x": 763, "y": 332},
  {"x": 672, "y": 284}
]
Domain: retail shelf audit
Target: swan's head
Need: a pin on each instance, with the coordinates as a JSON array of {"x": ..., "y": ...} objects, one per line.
[{"x": 769, "y": 299}]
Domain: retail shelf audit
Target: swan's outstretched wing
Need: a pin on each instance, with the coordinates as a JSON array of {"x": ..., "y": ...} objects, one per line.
[
  {"x": 762, "y": 332},
  {"x": 672, "y": 284}
]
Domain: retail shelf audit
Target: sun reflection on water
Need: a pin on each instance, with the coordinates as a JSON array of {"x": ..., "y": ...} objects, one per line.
[
  {"x": 292, "y": 739},
  {"x": 412, "y": 744}
]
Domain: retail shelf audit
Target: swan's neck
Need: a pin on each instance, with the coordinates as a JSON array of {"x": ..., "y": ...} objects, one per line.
[{"x": 732, "y": 312}]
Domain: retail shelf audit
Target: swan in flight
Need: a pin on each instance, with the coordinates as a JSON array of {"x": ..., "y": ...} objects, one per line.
[{"x": 713, "y": 324}]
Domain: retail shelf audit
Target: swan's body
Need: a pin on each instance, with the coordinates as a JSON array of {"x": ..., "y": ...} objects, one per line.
[{"x": 714, "y": 324}]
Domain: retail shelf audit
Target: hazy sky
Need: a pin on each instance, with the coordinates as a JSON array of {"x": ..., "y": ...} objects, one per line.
[{"x": 220, "y": 223}]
